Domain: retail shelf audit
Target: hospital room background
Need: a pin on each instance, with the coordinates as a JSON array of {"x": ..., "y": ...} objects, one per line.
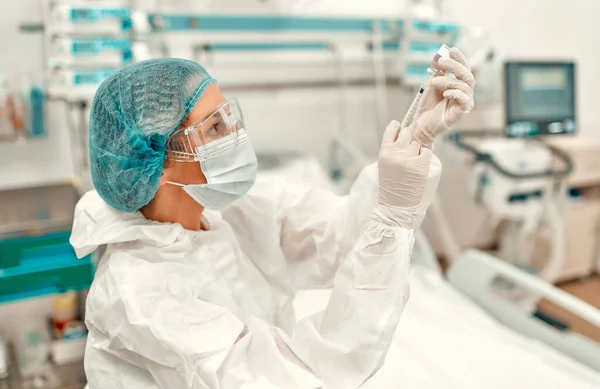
[{"x": 505, "y": 279}]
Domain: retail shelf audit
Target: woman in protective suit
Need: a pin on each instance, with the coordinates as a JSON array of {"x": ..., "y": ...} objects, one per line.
[{"x": 202, "y": 259}]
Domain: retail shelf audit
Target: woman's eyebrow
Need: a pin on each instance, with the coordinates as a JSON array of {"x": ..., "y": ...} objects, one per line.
[{"x": 188, "y": 121}]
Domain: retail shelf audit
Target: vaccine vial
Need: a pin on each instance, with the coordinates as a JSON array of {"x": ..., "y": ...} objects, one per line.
[{"x": 444, "y": 51}]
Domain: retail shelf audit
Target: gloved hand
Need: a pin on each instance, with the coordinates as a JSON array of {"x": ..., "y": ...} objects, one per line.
[
  {"x": 403, "y": 169},
  {"x": 446, "y": 101}
]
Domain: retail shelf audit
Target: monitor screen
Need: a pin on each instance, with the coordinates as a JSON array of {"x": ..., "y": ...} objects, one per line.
[{"x": 540, "y": 98}]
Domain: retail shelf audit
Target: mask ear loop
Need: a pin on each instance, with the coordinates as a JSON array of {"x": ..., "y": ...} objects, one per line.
[{"x": 176, "y": 184}]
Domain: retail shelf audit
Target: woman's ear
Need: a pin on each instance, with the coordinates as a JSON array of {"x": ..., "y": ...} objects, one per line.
[
  {"x": 163, "y": 179},
  {"x": 166, "y": 176}
]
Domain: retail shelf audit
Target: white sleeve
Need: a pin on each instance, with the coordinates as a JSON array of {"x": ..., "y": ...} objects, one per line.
[
  {"x": 173, "y": 322},
  {"x": 347, "y": 343},
  {"x": 319, "y": 228}
]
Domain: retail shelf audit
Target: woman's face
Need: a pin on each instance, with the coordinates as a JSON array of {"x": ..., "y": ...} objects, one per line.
[{"x": 188, "y": 172}]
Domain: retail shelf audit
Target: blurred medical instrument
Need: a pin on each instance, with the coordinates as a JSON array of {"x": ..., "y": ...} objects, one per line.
[
  {"x": 22, "y": 110},
  {"x": 581, "y": 209},
  {"x": 540, "y": 98},
  {"x": 444, "y": 51},
  {"x": 64, "y": 310},
  {"x": 6, "y": 126},
  {"x": 4, "y": 359},
  {"x": 68, "y": 330},
  {"x": 519, "y": 179},
  {"x": 37, "y": 114},
  {"x": 32, "y": 350},
  {"x": 520, "y": 183}
]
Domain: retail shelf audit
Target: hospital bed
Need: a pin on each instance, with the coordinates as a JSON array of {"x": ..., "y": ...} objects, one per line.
[{"x": 458, "y": 333}]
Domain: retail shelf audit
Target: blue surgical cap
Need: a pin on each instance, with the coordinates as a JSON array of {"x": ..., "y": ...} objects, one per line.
[{"x": 134, "y": 112}]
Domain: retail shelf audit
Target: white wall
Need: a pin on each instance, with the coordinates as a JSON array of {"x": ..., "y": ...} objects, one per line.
[{"x": 544, "y": 29}]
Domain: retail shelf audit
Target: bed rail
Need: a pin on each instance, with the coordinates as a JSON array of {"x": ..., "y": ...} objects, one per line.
[{"x": 474, "y": 274}]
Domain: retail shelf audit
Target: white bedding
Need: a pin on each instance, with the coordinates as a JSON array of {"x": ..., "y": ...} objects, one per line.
[{"x": 445, "y": 341}]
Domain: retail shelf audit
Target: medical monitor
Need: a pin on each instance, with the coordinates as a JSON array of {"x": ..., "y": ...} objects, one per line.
[{"x": 539, "y": 98}]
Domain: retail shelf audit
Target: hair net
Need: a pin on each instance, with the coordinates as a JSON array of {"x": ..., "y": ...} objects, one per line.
[{"x": 134, "y": 112}]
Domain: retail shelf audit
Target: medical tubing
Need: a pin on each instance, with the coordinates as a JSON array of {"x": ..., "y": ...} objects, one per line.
[{"x": 487, "y": 158}]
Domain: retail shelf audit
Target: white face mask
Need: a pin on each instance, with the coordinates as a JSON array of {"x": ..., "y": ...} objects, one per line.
[{"x": 230, "y": 169}]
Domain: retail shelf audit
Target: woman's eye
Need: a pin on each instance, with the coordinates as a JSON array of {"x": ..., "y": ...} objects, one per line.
[{"x": 215, "y": 129}]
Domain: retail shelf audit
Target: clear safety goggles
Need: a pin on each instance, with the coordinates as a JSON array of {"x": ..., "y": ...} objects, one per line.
[{"x": 190, "y": 143}]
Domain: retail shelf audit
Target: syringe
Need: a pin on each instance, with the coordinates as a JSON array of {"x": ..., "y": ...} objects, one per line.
[{"x": 444, "y": 51}]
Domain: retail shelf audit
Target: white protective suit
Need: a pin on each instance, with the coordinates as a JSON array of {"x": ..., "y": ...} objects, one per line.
[{"x": 171, "y": 308}]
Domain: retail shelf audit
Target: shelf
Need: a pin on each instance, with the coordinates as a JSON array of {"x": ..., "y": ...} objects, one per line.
[
  {"x": 36, "y": 211},
  {"x": 161, "y": 22},
  {"x": 35, "y": 266}
]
